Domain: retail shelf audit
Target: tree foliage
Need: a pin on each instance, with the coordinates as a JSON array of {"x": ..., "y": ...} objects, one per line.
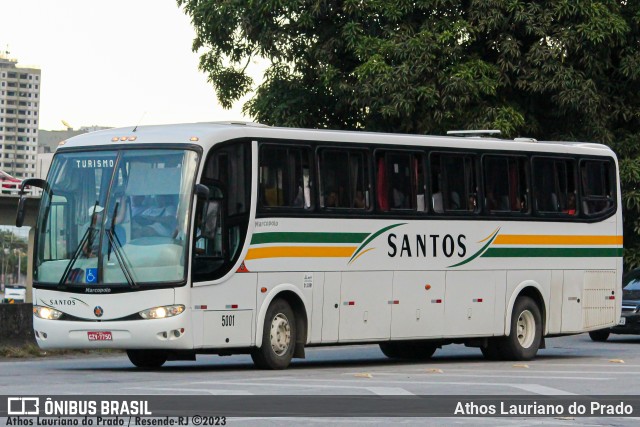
[{"x": 548, "y": 69}]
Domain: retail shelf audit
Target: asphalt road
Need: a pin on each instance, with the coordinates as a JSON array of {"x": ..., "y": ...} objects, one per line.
[{"x": 568, "y": 366}]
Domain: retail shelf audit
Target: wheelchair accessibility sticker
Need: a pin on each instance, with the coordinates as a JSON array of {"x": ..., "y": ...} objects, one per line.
[{"x": 91, "y": 275}]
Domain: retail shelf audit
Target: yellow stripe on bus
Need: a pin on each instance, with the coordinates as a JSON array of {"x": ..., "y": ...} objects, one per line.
[
  {"x": 525, "y": 239},
  {"x": 301, "y": 252}
]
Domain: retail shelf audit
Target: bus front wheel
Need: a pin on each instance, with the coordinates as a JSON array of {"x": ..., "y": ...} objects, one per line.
[
  {"x": 147, "y": 359},
  {"x": 278, "y": 337},
  {"x": 526, "y": 331}
]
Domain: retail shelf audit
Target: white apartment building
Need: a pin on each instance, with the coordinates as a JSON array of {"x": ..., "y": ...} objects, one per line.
[{"x": 19, "y": 105}]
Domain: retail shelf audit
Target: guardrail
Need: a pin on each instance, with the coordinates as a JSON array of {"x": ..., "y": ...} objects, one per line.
[{"x": 13, "y": 188}]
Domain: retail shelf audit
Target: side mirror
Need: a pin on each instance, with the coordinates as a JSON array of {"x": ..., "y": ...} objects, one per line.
[
  {"x": 21, "y": 210},
  {"x": 36, "y": 182}
]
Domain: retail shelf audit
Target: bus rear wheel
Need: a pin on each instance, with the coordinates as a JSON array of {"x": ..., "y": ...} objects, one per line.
[
  {"x": 599, "y": 336},
  {"x": 523, "y": 341},
  {"x": 147, "y": 359},
  {"x": 408, "y": 350},
  {"x": 278, "y": 337}
]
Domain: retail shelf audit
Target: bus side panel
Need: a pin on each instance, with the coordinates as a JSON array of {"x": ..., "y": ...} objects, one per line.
[
  {"x": 418, "y": 304},
  {"x": 554, "y": 309},
  {"x": 331, "y": 307},
  {"x": 228, "y": 311},
  {"x": 317, "y": 282},
  {"x": 572, "y": 301},
  {"x": 365, "y": 309},
  {"x": 470, "y": 303}
]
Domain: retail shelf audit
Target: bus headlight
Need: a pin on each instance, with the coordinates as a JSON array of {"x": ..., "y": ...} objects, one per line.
[
  {"x": 162, "y": 312},
  {"x": 47, "y": 313}
]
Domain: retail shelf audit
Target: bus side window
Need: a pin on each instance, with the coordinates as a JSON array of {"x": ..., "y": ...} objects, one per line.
[
  {"x": 284, "y": 175},
  {"x": 554, "y": 186},
  {"x": 454, "y": 183},
  {"x": 400, "y": 181},
  {"x": 344, "y": 179},
  {"x": 505, "y": 184},
  {"x": 597, "y": 186}
]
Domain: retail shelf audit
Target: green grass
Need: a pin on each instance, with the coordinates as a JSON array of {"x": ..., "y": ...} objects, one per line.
[{"x": 29, "y": 351}]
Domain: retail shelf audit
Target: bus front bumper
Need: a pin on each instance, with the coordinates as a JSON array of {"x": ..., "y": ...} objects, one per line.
[{"x": 170, "y": 333}]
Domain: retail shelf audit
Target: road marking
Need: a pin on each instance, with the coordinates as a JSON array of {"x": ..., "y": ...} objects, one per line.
[
  {"x": 533, "y": 369},
  {"x": 390, "y": 391},
  {"x": 446, "y": 374},
  {"x": 544, "y": 390},
  {"x": 533, "y": 388},
  {"x": 225, "y": 392}
]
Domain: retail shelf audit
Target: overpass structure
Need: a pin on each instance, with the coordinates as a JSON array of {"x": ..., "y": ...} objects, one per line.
[{"x": 8, "y": 208}]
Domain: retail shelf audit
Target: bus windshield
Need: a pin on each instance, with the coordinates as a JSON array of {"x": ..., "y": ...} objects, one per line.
[{"x": 115, "y": 217}]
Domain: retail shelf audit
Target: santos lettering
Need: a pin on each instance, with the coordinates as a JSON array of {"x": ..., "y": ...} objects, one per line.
[{"x": 422, "y": 245}]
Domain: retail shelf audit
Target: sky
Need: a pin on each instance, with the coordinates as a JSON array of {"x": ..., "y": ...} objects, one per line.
[{"x": 112, "y": 63}]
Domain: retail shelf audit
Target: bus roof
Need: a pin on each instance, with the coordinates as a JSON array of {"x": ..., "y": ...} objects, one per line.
[{"x": 209, "y": 134}]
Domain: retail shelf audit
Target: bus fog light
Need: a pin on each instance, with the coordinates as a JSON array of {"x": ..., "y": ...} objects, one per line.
[
  {"x": 46, "y": 312},
  {"x": 162, "y": 312}
]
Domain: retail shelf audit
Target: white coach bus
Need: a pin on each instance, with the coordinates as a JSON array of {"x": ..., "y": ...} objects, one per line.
[{"x": 169, "y": 241}]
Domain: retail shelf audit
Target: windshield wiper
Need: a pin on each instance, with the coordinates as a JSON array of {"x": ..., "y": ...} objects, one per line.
[
  {"x": 86, "y": 238},
  {"x": 114, "y": 243}
]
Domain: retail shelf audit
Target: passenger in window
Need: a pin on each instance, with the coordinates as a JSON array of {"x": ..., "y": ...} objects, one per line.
[
  {"x": 472, "y": 203},
  {"x": 491, "y": 201},
  {"x": 160, "y": 220},
  {"x": 571, "y": 204},
  {"x": 298, "y": 201},
  {"x": 399, "y": 199},
  {"x": 521, "y": 202},
  {"x": 359, "y": 201},
  {"x": 331, "y": 200}
]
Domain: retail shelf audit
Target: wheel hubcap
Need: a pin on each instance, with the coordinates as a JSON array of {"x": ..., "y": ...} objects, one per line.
[
  {"x": 280, "y": 334},
  {"x": 526, "y": 328}
]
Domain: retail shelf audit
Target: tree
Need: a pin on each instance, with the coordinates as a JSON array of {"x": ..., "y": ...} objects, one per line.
[{"x": 554, "y": 69}]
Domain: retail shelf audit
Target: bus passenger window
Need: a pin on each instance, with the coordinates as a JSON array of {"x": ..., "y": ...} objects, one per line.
[
  {"x": 284, "y": 177},
  {"x": 453, "y": 183},
  {"x": 400, "y": 181},
  {"x": 554, "y": 186},
  {"x": 505, "y": 184},
  {"x": 344, "y": 179},
  {"x": 597, "y": 186}
]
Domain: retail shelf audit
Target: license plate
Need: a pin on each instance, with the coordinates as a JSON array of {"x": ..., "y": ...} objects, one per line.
[
  {"x": 623, "y": 321},
  {"x": 100, "y": 336}
]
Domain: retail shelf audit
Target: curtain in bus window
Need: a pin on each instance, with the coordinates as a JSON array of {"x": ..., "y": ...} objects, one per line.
[
  {"x": 382, "y": 191},
  {"x": 359, "y": 189}
]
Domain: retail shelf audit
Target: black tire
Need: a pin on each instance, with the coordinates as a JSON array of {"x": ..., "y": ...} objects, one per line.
[
  {"x": 523, "y": 344},
  {"x": 147, "y": 359},
  {"x": 492, "y": 350},
  {"x": 408, "y": 350},
  {"x": 277, "y": 348},
  {"x": 600, "y": 335}
]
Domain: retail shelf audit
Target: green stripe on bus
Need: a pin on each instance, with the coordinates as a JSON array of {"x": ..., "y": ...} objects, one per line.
[
  {"x": 552, "y": 252},
  {"x": 304, "y": 237}
]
